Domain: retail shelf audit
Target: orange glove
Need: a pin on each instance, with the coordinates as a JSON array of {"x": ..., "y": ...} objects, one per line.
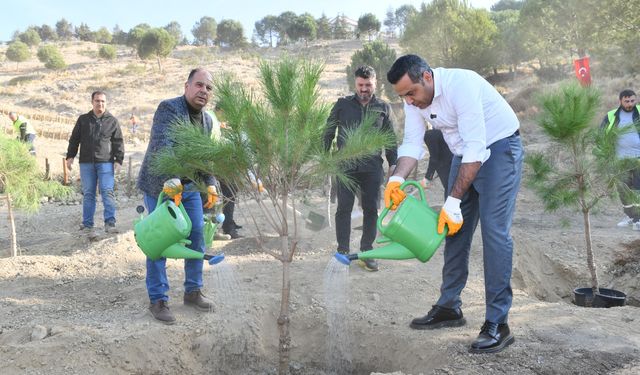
[
  {"x": 451, "y": 215},
  {"x": 255, "y": 182},
  {"x": 212, "y": 197},
  {"x": 258, "y": 186},
  {"x": 424, "y": 182},
  {"x": 173, "y": 189},
  {"x": 393, "y": 195}
]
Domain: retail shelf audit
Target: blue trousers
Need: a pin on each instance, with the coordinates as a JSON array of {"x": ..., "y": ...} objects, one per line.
[
  {"x": 491, "y": 200},
  {"x": 100, "y": 175},
  {"x": 157, "y": 282}
]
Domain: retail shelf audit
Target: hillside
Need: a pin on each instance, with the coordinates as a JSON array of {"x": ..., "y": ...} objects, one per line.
[{"x": 71, "y": 306}]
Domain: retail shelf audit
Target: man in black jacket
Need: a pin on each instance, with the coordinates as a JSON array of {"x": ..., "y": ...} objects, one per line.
[
  {"x": 348, "y": 112},
  {"x": 99, "y": 137},
  {"x": 440, "y": 158}
]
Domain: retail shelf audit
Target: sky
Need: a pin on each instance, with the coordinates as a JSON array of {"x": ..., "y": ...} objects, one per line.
[{"x": 20, "y": 14}]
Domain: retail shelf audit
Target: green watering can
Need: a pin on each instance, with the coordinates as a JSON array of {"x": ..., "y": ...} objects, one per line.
[
  {"x": 210, "y": 228},
  {"x": 411, "y": 233},
  {"x": 164, "y": 233}
]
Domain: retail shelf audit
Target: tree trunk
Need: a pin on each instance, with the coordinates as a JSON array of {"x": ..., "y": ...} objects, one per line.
[
  {"x": 12, "y": 223},
  {"x": 284, "y": 343},
  {"x": 590, "y": 259}
]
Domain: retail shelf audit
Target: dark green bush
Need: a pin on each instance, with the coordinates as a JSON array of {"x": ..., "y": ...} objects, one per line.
[{"x": 107, "y": 52}]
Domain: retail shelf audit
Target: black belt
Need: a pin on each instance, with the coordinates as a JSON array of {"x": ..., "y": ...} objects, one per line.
[{"x": 515, "y": 134}]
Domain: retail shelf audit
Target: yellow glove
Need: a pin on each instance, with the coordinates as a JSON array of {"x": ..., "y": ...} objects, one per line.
[
  {"x": 173, "y": 189},
  {"x": 212, "y": 197},
  {"x": 451, "y": 215},
  {"x": 393, "y": 195}
]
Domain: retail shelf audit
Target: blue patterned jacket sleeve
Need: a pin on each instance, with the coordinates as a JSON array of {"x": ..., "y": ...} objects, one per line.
[{"x": 168, "y": 112}]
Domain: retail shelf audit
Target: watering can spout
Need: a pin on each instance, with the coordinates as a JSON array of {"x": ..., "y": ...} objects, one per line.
[
  {"x": 178, "y": 251},
  {"x": 393, "y": 251},
  {"x": 345, "y": 258},
  {"x": 214, "y": 259}
]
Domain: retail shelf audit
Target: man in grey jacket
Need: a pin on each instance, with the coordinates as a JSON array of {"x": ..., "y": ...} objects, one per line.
[{"x": 184, "y": 109}]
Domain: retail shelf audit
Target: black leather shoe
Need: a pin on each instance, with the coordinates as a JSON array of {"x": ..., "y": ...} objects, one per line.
[
  {"x": 493, "y": 338},
  {"x": 439, "y": 317},
  {"x": 233, "y": 233}
]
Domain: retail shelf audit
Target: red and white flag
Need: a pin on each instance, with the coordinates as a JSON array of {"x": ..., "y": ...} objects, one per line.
[{"x": 583, "y": 73}]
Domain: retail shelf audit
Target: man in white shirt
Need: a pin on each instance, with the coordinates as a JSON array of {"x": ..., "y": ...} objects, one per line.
[{"x": 482, "y": 133}]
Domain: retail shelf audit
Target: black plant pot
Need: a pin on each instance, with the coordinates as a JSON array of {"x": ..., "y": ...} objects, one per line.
[{"x": 605, "y": 298}]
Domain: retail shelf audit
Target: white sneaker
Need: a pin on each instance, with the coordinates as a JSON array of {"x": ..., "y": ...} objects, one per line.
[
  {"x": 625, "y": 222},
  {"x": 636, "y": 226}
]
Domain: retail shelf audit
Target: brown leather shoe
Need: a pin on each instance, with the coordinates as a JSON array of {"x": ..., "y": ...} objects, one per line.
[
  {"x": 198, "y": 300},
  {"x": 160, "y": 311}
]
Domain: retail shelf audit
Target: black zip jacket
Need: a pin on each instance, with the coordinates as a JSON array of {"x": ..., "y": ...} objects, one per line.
[
  {"x": 99, "y": 139},
  {"x": 348, "y": 113}
]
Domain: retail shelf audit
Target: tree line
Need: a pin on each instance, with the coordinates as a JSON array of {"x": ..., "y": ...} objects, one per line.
[{"x": 448, "y": 32}]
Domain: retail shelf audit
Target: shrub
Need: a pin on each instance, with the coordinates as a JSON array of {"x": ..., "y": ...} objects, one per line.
[
  {"x": 18, "y": 52},
  {"x": 107, "y": 52},
  {"x": 131, "y": 70},
  {"x": 51, "y": 57},
  {"x": 30, "y": 37},
  {"x": 378, "y": 55},
  {"x": 550, "y": 74},
  {"x": 23, "y": 79}
]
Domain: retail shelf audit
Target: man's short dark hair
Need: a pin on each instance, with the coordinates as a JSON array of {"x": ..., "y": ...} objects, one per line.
[
  {"x": 193, "y": 73},
  {"x": 413, "y": 65},
  {"x": 365, "y": 71},
  {"x": 97, "y": 92},
  {"x": 626, "y": 93}
]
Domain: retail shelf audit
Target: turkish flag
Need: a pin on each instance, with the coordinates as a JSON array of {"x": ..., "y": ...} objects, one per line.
[{"x": 583, "y": 73}]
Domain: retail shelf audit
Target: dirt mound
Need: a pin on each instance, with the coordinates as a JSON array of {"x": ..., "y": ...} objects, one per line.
[{"x": 71, "y": 306}]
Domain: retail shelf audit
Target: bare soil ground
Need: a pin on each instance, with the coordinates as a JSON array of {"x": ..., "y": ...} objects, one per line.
[{"x": 71, "y": 306}]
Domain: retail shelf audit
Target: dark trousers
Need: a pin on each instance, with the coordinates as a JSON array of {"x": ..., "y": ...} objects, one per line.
[
  {"x": 369, "y": 186},
  {"x": 633, "y": 183},
  {"x": 229, "y": 196}
]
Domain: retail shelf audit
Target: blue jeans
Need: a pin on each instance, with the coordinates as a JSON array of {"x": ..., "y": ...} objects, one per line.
[
  {"x": 30, "y": 139},
  {"x": 95, "y": 175},
  {"x": 491, "y": 199},
  {"x": 157, "y": 282}
]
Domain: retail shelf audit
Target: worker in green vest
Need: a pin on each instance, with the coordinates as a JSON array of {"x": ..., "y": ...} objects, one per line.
[
  {"x": 26, "y": 131},
  {"x": 628, "y": 146}
]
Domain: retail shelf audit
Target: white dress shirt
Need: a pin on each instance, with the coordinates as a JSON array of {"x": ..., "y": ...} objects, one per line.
[{"x": 467, "y": 109}]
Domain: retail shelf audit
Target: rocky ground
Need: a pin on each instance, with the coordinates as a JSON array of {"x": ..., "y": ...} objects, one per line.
[{"x": 71, "y": 306}]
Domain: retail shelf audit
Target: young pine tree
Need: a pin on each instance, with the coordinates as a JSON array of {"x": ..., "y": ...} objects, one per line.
[
  {"x": 21, "y": 183},
  {"x": 277, "y": 136},
  {"x": 580, "y": 168}
]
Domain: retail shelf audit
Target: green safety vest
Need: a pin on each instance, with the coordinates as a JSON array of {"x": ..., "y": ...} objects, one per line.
[
  {"x": 18, "y": 123},
  {"x": 612, "y": 116}
]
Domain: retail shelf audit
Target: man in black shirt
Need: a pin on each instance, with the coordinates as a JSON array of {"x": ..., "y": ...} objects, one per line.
[{"x": 348, "y": 112}]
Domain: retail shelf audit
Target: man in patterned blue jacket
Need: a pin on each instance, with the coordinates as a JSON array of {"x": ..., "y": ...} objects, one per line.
[{"x": 186, "y": 108}]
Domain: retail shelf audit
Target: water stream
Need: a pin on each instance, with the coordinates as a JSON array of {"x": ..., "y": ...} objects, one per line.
[
  {"x": 339, "y": 340},
  {"x": 227, "y": 296}
]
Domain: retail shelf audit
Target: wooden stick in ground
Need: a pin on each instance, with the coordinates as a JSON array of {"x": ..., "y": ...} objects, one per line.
[
  {"x": 47, "y": 169},
  {"x": 14, "y": 243},
  {"x": 329, "y": 201},
  {"x": 129, "y": 170},
  {"x": 129, "y": 176},
  {"x": 65, "y": 178}
]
